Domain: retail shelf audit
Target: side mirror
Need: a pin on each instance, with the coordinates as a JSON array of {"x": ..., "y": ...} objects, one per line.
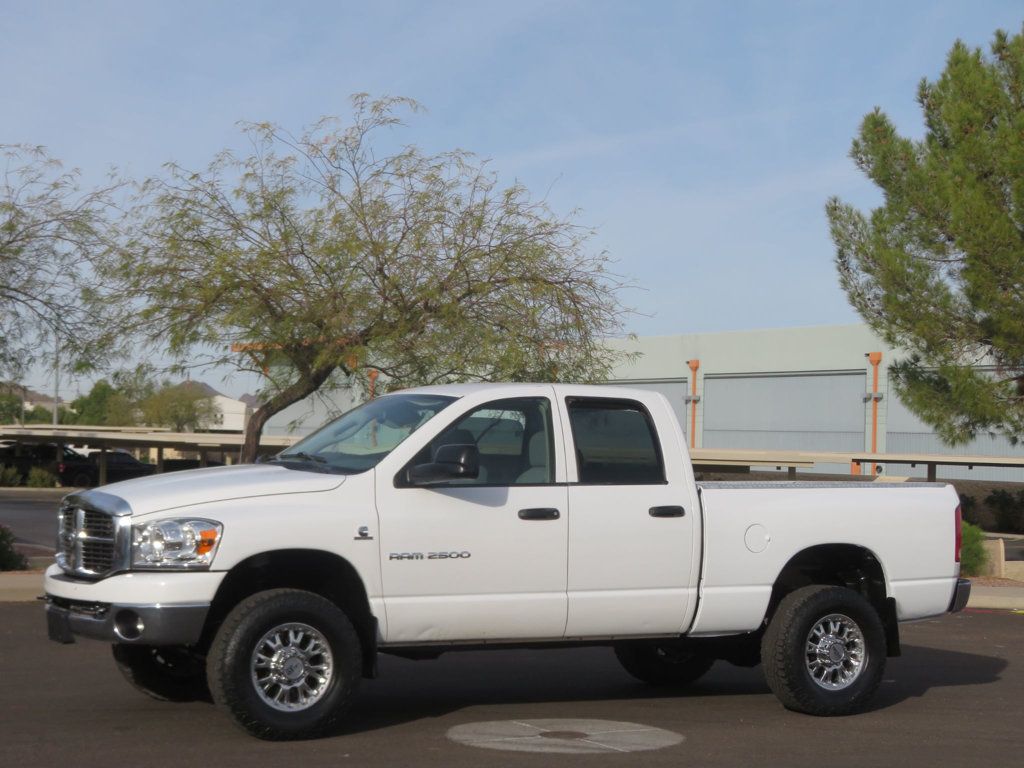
[{"x": 451, "y": 462}]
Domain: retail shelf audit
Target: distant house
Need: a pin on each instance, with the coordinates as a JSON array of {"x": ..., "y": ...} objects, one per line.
[
  {"x": 234, "y": 414},
  {"x": 250, "y": 400},
  {"x": 29, "y": 397}
]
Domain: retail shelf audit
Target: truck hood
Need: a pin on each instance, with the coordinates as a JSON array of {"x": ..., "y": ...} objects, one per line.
[{"x": 172, "y": 490}]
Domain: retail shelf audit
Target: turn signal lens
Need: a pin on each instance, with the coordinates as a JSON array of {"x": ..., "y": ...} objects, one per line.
[{"x": 206, "y": 541}]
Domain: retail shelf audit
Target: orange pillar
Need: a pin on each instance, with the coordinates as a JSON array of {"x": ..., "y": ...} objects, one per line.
[
  {"x": 874, "y": 358},
  {"x": 374, "y": 373},
  {"x": 694, "y": 365}
]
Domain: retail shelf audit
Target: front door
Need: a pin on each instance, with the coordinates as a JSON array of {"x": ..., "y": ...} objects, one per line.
[{"x": 480, "y": 559}]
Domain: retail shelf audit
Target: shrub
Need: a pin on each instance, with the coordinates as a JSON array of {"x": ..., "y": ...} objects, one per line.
[
  {"x": 969, "y": 509},
  {"x": 1008, "y": 509},
  {"x": 10, "y": 558},
  {"x": 40, "y": 478},
  {"x": 9, "y": 476},
  {"x": 972, "y": 554}
]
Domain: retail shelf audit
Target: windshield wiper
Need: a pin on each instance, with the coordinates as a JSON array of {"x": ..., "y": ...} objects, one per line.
[{"x": 301, "y": 456}]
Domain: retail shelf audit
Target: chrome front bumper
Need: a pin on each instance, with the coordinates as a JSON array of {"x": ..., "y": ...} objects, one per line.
[{"x": 136, "y": 624}]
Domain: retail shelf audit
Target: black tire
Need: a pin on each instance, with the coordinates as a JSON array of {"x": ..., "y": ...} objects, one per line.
[
  {"x": 663, "y": 663},
  {"x": 792, "y": 669},
  {"x": 231, "y": 672},
  {"x": 165, "y": 673},
  {"x": 82, "y": 480}
]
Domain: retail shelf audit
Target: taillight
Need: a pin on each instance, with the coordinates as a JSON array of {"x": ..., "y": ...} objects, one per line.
[
  {"x": 61, "y": 468},
  {"x": 959, "y": 532}
]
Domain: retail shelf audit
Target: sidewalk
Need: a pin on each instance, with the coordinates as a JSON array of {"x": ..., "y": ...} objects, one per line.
[{"x": 20, "y": 586}]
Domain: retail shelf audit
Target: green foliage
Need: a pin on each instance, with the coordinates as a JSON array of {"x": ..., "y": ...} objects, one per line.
[
  {"x": 1008, "y": 509},
  {"x": 10, "y": 558},
  {"x": 182, "y": 407},
  {"x": 972, "y": 554},
  {"x": 105, "y": 405},
  {"x": 50, "y": 229},
  {"x": 42, "y": 415},
  {"x": 969, "y": 508},
  {"x": 38, "y": 415},
  {"x": 937, "y": 270},
  {"x": 321, "y": 256},
  {"x": 40, "y": 478},
  {"x": 9, "y": 477},
  {"x": 10, "y": 409}
]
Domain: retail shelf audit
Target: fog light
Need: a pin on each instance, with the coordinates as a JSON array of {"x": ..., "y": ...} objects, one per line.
[{"x": 128, "y": 625}]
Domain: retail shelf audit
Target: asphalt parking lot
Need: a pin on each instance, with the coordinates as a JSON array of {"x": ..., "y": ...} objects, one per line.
[{"x": 954, "y": 698}]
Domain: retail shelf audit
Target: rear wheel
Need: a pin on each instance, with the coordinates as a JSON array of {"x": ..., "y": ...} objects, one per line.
[
  {"x": 285, "y": 664},
  {"x": 166, "y": 673},
  {"x": 824, "y": 651},
  {"x": 668, "y": 663}
]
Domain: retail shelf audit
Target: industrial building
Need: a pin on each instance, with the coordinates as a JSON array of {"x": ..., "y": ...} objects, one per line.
[{"x": 821, "y": 388}]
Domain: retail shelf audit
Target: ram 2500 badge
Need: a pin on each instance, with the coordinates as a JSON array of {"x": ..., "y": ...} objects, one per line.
[{"x": 490, "y": 516}]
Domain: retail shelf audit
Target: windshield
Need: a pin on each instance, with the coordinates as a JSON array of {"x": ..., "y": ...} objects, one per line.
[{"x": 361, "y": 438}]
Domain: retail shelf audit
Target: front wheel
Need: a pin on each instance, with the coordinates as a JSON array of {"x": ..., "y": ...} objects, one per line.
[
  {"x": 824, "y": 651},
  {"x": 285, "y": 664},
  {"x": 667, "y": 663}
]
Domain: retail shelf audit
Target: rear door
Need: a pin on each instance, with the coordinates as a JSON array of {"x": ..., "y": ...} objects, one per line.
[{"x": 633, "y": 560}]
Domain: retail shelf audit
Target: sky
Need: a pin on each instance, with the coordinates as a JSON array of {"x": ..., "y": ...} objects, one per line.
[{"x": 700, "y": 139}]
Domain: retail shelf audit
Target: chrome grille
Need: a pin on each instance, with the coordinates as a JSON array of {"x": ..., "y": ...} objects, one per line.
[
  {"x": 91, "y": 543},
  {"x": 98, "y": 524}
]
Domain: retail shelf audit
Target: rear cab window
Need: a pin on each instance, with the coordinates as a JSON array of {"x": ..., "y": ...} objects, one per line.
[{"x": 616, "y": 442}]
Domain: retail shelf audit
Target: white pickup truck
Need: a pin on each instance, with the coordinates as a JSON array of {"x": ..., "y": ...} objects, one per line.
[{"x": 472, "y": 516}]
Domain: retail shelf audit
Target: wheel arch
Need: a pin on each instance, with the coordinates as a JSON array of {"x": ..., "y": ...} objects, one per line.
[
  {"x": 853, "y": 566},
  {"x": 324, "y": 573}
]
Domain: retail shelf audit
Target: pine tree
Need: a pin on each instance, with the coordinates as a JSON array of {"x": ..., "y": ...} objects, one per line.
[{"x": 938, "y": 269}]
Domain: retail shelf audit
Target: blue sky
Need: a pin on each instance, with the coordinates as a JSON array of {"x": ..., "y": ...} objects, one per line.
[{"x": 701, "y": 139}]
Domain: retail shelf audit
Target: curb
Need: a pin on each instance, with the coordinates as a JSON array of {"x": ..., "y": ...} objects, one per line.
[
  {"x": 20, "y": 490},
  {"x": 999, "y": 598}
]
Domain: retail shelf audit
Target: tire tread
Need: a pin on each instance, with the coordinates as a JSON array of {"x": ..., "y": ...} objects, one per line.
[
  {"x": 227, "y": 697},
  {"x": 784, "y": 670}
]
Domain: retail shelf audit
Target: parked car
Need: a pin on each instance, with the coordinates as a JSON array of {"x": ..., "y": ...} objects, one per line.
[
  {"x": 72, "y": 469},
  {"x": 120, "y": 466}
]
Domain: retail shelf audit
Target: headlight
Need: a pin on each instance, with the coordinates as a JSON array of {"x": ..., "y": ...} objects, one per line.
[{"x": 175, "y": 544}]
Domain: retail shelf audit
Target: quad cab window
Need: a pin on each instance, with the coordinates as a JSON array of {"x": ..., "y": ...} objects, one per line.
[
  {"x": 514, "y": 438},
  {"x": 615, "y": 442}
]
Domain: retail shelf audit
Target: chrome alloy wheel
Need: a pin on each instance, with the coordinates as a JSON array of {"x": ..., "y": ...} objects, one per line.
[
  {"x": 292, "y": 667},
  {"x": 835, "y": 652}
]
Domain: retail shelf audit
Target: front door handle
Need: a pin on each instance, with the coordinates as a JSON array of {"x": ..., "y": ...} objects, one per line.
[
  {"x": 539, "y": 513},
  {"x": 666, "y": 511}
]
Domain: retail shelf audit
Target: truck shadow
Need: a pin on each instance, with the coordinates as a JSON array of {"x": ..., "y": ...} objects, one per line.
[
  {"x": 560, "y": 683},
  {"x": 920, "y": 669}
]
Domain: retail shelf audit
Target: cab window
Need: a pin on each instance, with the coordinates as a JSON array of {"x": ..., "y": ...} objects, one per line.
[
  {"x": 615, "y": 442},
  {"x": 514, "y": 437}
]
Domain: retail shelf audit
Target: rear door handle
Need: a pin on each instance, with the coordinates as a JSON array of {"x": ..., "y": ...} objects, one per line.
[
  {"x": 539, "y": 513},
  {"x": 666, "y": 511}
]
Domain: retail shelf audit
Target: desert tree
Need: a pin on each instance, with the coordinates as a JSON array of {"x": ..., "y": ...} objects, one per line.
[
  {"x": 52, "y": 230},
  {"x": 322, "y": 256}
]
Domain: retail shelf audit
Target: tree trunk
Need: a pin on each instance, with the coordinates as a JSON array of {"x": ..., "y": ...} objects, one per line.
[{"x": 254, "y": 428}]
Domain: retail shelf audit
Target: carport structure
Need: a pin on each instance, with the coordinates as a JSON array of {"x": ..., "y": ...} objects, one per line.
[{"x": 106, "y": 438}]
